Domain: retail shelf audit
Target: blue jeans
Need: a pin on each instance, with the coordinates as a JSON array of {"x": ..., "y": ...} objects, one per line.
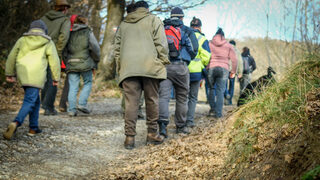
[
  {"x": 230, "y": 89},
  {"x": 30, "y": 106},
  {"x": 74, "y": 81},
  {"x": 217, "y": 76},
  {"x": 192, "y": 99}
]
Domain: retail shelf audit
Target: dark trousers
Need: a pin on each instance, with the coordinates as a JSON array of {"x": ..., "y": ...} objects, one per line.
[
  {"x": 64, "y": 95},
  {"x": 30, "y": 106},
  {"x": 229, "y": 89},
  {"x": 177, "y": 77},
  {"x": 48, "y": 93},
  {"x": 132, "y": 88}
]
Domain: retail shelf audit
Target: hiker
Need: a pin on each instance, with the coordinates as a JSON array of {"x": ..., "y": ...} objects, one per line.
[
  {"x": 228, "y": 94},
  {"x": 27, "y": 62},
  {"x": 249, "y": 65},
  {"x": 58, "y": 29},
  {"x": 65, "y": 89},
  {"x": 141, "y": 65},
  {"x": 218, "y": 73},
  {"x": 196, "y": 68},
  {"x": 82, "y": 57},
  {"x": 131, "y": 8},
  {"x": 177, "y": 75}
]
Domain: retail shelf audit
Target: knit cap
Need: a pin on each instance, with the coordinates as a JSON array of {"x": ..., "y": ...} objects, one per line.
[
  {"x": 177, "y": 12},
  {"x": 39, "y": 24}
]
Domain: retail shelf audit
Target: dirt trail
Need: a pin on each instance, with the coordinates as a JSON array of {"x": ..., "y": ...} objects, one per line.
[{"x": 74, "y": 147}]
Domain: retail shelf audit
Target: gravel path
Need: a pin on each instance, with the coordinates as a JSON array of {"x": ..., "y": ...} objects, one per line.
[{"x": 71, "y": 147}]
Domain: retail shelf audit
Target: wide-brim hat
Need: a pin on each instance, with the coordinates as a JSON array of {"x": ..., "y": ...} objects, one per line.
[{"x": 62, "y": 3}]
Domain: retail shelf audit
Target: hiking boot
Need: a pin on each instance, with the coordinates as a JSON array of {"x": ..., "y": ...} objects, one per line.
[
  {"x": 84, "y": 109},
  {"x": 183, "y": 130},
  {"x": 154, "y": 138},
  {"x": 163, "y": 130},
  {"x": 129, "y": 142},
  {"x": 72, "y": 114},
  {"x": 48, "y": 112},
  {"x": 211, "y": 113},
  {"x": 190, "y": 124},
  {"x": 10, "y": 130},
  {"x": 34, "y": 132}
]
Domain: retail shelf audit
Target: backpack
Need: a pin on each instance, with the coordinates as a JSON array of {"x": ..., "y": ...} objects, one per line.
[
  {"x": 246, "y": 65},
  {"x": 174, "y": 40}
]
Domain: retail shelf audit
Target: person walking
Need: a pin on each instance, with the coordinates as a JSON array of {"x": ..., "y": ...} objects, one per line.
[
  {"x": 196, "y": 68},
  {"x": 58, "y": 29},
  {"x": 218, "y": 73},
  {"x": 249, "y": 65},
  {"x": 82, "y": 55},
  {"x": 27, "y": 62},
  {"x": 65, "y": 90},
  {"x": 177, "y": 76},
  {"x": 230, "y": 84},
  {"x": 141, "y": 53}
]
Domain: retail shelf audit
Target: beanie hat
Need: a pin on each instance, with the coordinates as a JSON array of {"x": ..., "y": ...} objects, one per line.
[
  {"x": 196, "y": 22},
  {"x": 177, "y": 12},
  {"x": 232, "y": 42},
  {"x": 62, "y": 3},
  {"x": 142, "y": 4},
  {"x": 39, "y": 24}
]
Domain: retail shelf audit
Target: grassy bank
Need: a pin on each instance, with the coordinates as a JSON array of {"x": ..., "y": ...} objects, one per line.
[{"x": 277, "y": 134}]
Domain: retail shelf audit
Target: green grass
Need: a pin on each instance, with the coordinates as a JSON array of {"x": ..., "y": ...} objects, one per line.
[
  {"x": 282, "y": 103},
  {"x": 312, "y": 174}
]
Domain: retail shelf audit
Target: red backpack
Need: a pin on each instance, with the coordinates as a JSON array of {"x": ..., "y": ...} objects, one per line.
[{"x": 173, "y": 37}]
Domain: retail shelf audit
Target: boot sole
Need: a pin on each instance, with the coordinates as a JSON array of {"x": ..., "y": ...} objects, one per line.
[
  {"x": 153, "y": 142},
  {"x": 10, "y": 131}
]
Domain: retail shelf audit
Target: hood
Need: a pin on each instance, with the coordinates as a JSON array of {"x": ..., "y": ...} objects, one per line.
[
  {"x": 52, "y": 15},
  {"x": 77, "y": 27},
  {"x": 218, "y": 40},
  {"x": 35, "y": 39},
  {"x": 176, "y": 22},
  {"x": 136, "y": 15}
]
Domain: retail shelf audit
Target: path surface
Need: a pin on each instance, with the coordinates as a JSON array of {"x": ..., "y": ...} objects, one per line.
[{"x": 72, "y": 147}]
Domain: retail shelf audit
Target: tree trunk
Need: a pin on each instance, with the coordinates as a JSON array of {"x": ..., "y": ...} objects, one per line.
[
  {"x": 114, "y": 17},
  {"x": 96, "y": 20}
]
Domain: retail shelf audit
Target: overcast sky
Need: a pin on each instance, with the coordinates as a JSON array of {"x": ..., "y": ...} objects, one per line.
[{"x": 242, "y": 18}]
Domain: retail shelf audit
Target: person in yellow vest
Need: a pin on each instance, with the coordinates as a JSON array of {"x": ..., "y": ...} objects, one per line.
[{"x": 196, "y": 67}]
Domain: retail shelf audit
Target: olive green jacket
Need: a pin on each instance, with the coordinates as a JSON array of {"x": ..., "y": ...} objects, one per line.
[
  {"x": 141, "y": 47},
  {"x": 58, "y": 25},
  {"x": 82, "y": 51},
  {"x": 29, "y": 58}
]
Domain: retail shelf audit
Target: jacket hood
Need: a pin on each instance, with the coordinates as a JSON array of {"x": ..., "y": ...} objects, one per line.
[
  {"x": 136, "y": 15},
  {"x": 173, "y": 22},
  {"x": 218, "y": 40},
  {"x": 52, "y": 15},
  {"x": 77, "y": 27},
  {"x": 35, "y": 39}
]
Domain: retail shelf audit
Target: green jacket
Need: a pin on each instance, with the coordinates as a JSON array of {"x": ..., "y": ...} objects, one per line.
[
  {"x": 29, "y": 58},
  {"x": 141, "y": 47},
  {"x": 58, "y": 28},
  {"x": 82, "y": 50}
]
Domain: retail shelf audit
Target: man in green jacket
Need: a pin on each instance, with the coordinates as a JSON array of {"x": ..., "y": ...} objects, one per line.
[
  {"x": 58, "y": 29},
  {"x": 141, "y": 53},
  {"x": 28, "y": 61}
]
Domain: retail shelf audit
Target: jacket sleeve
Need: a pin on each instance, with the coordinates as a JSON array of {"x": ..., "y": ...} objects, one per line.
[
  {"x": 160, "y": 41},
  {"x": 94, "y": 48},
  {"x": 194, "y": 44},
  {"x": 234, "y": 60},
  {"x": 253, "y": 64},
  {"x": 63, "y": 36},
  {"x": 53, "y": 60},
  {"x": 12, "y": 58},
  {"x": 117, "y": 44},
  {"x": 205, "y": 53}
]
